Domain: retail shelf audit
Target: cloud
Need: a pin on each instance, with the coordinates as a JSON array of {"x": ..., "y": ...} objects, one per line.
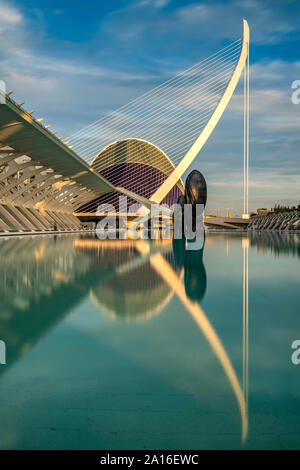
[
  {"x": 152, "y": 3},
  {"x": 210, "y": 19},
  {"x": 9, "y": 15},
  {"x": 59, "y": 85},
  {"x": 268, "y": 26}
]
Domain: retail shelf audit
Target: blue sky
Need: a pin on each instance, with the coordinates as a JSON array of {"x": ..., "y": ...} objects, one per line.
[{"x": 74, "y": 61}]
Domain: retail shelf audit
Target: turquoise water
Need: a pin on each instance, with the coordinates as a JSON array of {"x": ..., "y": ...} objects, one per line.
[{"x": 140, "y": 345}]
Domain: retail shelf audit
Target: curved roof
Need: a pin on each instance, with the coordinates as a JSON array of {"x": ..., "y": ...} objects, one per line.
[
  {"x": 19, "y": 130},
  {"x": 134, "y": 150}
]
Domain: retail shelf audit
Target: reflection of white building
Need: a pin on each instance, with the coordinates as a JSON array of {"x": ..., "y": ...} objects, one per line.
[
  {"x": 33, "y": 268},
  {"x": 134, "y": 290},
  {"x": 53, "y": 274}
]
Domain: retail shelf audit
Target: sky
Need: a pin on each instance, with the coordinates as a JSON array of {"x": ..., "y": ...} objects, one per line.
[{"x": 73, "y": 62}]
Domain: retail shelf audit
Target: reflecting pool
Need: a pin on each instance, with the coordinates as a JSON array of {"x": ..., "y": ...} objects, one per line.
[{"x": 124, "y": 344}]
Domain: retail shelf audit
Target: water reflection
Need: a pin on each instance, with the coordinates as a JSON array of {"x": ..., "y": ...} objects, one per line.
[
  {"x": 133, "y": 290},
  {"x": 42, "y": 279},
  {"x": 118, "y": 275},
  {"x": 245, "y": 245},
  {"x": 40, "y": 282},
  {"x": 276, "y": 242},
  {"x": 200, "y": 318},
  {"x": 194, "y": 270}
]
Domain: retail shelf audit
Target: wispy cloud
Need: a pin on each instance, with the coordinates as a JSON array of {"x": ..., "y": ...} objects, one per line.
[
  {"x": 209, "y": 19},
  {"x": 9, "y": 16}
]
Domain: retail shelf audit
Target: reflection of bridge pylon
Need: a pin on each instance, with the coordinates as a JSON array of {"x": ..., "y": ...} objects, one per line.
[
  {"x": 245, "y": 244},
  {"x": 170, "y": 277}
]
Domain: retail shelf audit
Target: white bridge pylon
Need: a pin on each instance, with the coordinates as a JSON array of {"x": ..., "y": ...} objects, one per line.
[
  {"x": 177, "y": 117},
  {"x": 214, "y": 119}
]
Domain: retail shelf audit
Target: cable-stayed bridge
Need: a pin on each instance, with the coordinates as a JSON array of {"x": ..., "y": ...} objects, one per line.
[{"x": 141, "y": 150}]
